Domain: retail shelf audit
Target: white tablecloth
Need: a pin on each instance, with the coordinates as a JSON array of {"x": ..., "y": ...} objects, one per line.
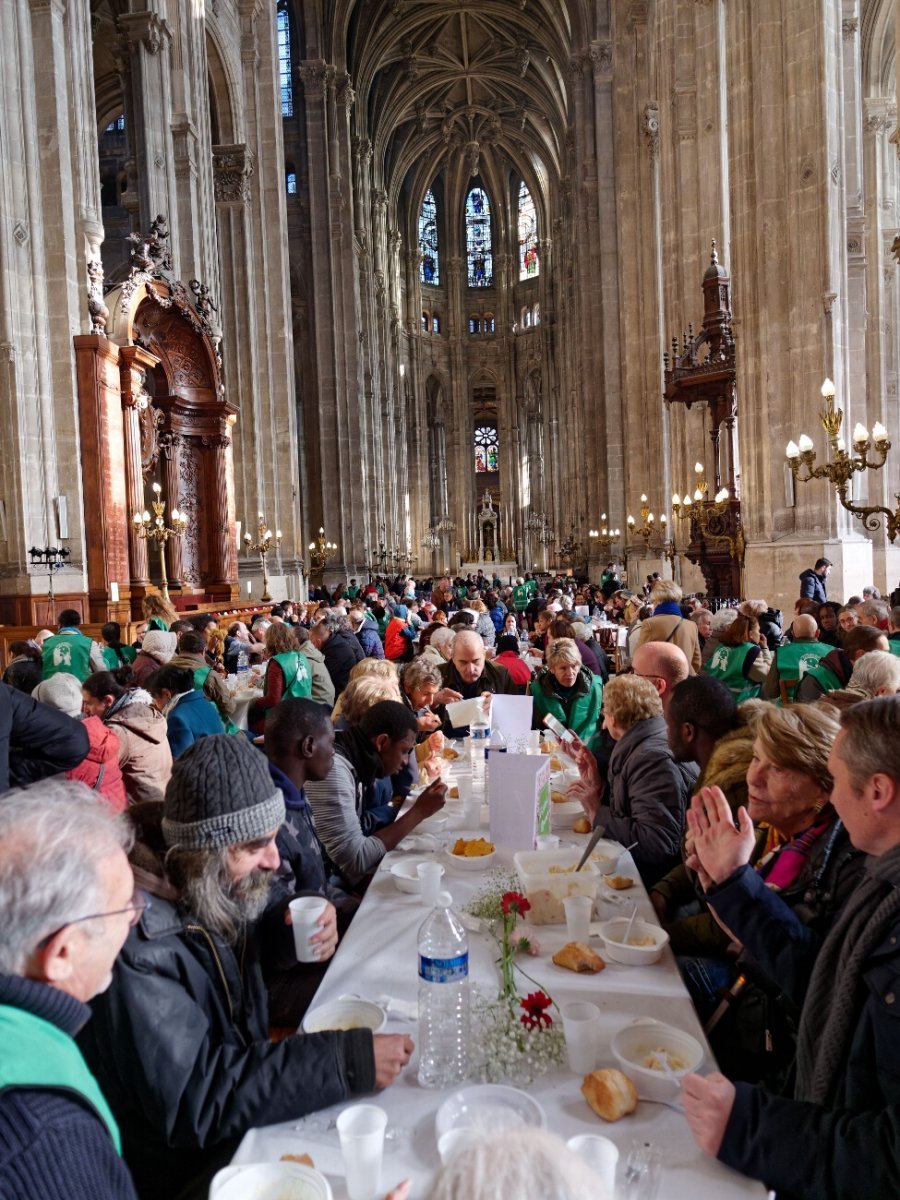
[{"x": 378, "y": 955}]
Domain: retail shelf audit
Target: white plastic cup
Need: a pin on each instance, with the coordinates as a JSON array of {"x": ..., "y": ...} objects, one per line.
[
  {"x": 305, "y": 912},
  {"x": 534, "y": 741},
  {"x": 600, "y": 1154},
  {"x": 581, "y": 1026},
  {"x": 361, "y": 1132},
  {"x": 547, "y": 841},
  {"x": 471, "y": 814},
  {"x": 429, "y": 881},
  {"x": 578, "y": 918},
  {"x": 464, "y": 786}
]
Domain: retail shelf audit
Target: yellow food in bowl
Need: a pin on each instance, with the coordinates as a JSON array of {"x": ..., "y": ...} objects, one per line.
[
  {"x": 556, "y": 764},
  {"x": 449, "y": 752},
  {"x": 559, "y": 797},
  {"x": 472, "y": 847}
]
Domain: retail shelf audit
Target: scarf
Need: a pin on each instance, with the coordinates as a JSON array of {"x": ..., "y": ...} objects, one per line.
[
  {"x": 781, "y": 865},
  {"x": 834, "y": 997},
  {"x": 668, "y": 608}
]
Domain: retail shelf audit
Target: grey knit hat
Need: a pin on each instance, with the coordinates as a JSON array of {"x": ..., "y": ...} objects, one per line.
[{"x": 220, "y": 794}]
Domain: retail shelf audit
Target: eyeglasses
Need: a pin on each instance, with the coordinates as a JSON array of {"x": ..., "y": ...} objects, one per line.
[
  {"x": 641, "y": 675},
  {"x": 140, "y": 903}
]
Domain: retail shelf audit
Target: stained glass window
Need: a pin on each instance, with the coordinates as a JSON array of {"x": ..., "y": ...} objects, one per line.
[
  {"x": 487, "y": 450},
  {"x": 474, "y": 325},
  {"x": 435, "y": 323},
  {"x": 429, "y": 271},
  {"x": 291, "y": 180},
  {"x": 284, "y": 61},
  {"x": 116, "y": 126},
  {"x": 479, "y": 258},
  {"x": 529, "y": 264}
]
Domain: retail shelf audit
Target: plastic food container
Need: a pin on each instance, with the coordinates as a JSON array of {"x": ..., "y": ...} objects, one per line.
[{"x": 548, "y": 877}]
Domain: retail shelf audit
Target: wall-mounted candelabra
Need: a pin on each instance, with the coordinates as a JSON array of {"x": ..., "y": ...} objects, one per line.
[
  {"x": 155, "y": 529},
  {"x": 264, "y": 543},
  {"x": 604, "y": 538},
  {"x": 840, "y": 471},
  {"x": 52, "y": 559}
]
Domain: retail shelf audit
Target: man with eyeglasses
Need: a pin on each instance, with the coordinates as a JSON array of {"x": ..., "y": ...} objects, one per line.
[
  {"x": 180, "y": 1042},
  {"x": 66, "y": 904}
]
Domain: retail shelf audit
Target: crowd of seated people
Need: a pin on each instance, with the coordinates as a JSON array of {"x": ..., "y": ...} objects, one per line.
[{"x": 749, "y": 761}]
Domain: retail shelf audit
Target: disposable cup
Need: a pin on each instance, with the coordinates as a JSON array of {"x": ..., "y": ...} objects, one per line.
[
  {"x": 305, "y": 912},
  {"x": 464, "y": 786},
  {"x": 581, "y": 1026},
  {"x": 361, "y": 1132},
  {"x": 600, "y": 1154},
  {"x": 430, "y": 879},
  {"x": 470, "y": 812},
  {"x": 578, "y": 918},
  {"x": 547, "y": 841}
]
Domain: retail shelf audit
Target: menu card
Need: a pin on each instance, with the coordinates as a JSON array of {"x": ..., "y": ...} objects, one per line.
[{"x": 518, "y": 799}]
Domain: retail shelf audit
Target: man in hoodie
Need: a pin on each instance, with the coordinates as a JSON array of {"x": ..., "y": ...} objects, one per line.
[{"x": 812, "y": 581}]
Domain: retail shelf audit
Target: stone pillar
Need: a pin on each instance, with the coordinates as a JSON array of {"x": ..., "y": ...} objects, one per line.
[
  {"x": 171, "y": 446},
  {"x": 146, "y": 39}
]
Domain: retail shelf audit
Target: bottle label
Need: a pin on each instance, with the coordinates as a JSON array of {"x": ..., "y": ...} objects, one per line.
[{"x": 444, "y": 970}]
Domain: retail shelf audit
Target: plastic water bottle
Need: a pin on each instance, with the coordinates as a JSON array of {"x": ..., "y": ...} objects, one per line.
[
  {"x": 443, "y": 997},
  {"x": 480, "y": 733},
  {"x": 243, "y": 665}
]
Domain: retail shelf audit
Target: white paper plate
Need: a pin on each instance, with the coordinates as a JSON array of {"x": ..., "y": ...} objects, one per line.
[{"x": 488, "y": 1106}]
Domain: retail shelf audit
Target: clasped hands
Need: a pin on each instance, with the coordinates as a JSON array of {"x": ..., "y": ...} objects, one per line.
[{"x": 715, "y": 847}]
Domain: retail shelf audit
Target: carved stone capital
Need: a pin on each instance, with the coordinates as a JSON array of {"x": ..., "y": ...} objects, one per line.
[
  {"x": 313, "y": 76},
  {"x": 362, "y": 151},
  {"x": 849, "y": 26},
  {"x": 601, "y": 56},
  {"x": 881, "y": 113},
  {"x": 232, "y": 168},
  {"x": 345, "y": 95},
  {"x": 144, "y": 29},
  {"x": 379, "y": 200}
]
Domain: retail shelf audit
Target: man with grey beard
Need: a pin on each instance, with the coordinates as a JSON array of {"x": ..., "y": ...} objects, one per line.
[{"x": 179, "y": 1042}]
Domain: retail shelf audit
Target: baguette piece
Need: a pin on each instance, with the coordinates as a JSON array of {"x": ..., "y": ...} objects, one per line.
[
  {"x": 610, "y": 1093},
  {"x": 575, "y": 956},
  {"x": 618, "y": 882}
]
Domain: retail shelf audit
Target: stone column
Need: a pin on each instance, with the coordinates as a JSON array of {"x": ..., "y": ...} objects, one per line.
[
  {"x": 145, "y": 43},
  {"x": 222, "y": 573},
  {"x": 170, "y": 464}
]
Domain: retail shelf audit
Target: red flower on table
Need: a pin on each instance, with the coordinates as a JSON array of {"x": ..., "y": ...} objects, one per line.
[
  {"x": 514, "y": 902},
  {"x": 535, "y": 1015}
]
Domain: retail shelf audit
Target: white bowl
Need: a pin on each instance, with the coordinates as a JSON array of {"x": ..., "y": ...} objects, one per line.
[
  {"x": 270, "y": 1181},
  {"x": 613, "y": 931},
  {"x": 606, "y": 854},
  {"x": 490, "y": 1106},
  {"x": 434, "y": 824},
  {"x": 405, "y": 875},
  {"x": 469, "y": 864},
  {"x": 345, "y": 1014},
  {"x": 632, "y": 1045}
]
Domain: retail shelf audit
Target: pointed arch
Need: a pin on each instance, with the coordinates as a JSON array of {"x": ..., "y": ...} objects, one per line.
[
  {"x": 479, "y": 252},
  {"x": 429, "y": 266}
]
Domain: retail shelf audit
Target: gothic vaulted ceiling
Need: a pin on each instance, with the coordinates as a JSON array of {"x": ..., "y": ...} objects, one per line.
[{"x": 474, "y": 82}]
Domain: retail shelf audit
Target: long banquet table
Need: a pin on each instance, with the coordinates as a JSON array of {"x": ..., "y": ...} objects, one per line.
[{"x": 378, "y": 956}]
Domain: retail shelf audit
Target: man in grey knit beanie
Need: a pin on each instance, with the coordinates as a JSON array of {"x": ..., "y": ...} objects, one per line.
[{"x": 180, "y": 1041}]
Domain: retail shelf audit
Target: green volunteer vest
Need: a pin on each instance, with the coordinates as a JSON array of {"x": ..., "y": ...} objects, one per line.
[
  {"x": 36, "y": 1054},
  {"x": 795, "y": 659},
  {"x": 157, "y": 623},
  {"x": 520, "y": 597},
  {"x": 894, "y": 646},
  {"x": 70, "y": 652},
  {"x": 531, "y": 587},
  {"x": 112, "y": 660},
  {"x": 825, "y": 677},
  {"x": 297, "y": 679},
  {"x": 727, "y": 664}
]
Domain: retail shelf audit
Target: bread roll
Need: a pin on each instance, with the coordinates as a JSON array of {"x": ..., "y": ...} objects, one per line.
[
  {"x": 581, "y": 825},
  {"x": 619, "y": 882},
  {"x": 575, "y": 956},
  {"x": 610, "y": 1093}
]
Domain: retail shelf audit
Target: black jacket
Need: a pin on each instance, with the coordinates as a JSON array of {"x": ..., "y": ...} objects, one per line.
[
  {"x": 848, "y": 1151},
  {"x": 812, "y": 586},
  {"x": 341, "y": 652},
  {"x": 36, "y": 740},
  {"x": 179, "y": 1044},
  {"x": 494, "y": 678},
  {"x": 646, "y": 797}
]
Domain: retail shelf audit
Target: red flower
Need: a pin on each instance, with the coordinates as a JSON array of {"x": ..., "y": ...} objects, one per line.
[
  {"x": 514, "y": 902},
  {"x": 535, "y": 1015}
]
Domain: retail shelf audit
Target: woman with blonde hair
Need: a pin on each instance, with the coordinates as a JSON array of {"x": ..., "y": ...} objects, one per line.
[
  {"x": 669, "y": 624},
  {"x": 569, "y": 691},
  {"x": 159, "y": 612},
  {"x": 784, "y": 872},
  {"x": 646, "y": 789}
]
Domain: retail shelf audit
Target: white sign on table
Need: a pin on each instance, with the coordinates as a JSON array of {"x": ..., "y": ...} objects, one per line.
[
  {"x": 512, "y": 716},
  {"x": 519, "y": 799}
]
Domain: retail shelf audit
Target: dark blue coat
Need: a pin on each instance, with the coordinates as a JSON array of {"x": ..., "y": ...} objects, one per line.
[
  {"x": 812, "y": 586},
  {"x": 192, "y": 717}
]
